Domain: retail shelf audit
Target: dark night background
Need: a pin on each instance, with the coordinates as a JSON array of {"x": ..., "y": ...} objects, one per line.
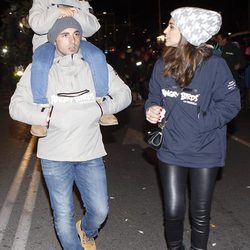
[
  {"x": 126, "y": 22},
  {"x": 146, "y": 12},
  {"x": 145, "y": 16}
]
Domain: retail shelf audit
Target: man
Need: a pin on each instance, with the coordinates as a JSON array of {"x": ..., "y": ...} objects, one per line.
[
  {"x": 233, "y": 56},
  {"x": 73, "y": 149}
]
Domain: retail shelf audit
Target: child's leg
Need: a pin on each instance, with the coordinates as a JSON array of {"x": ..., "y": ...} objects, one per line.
[
  {"x": 99, "y": 69},
  {"x": 41, "y": 63},
  {"x": 98, "y": 66}
]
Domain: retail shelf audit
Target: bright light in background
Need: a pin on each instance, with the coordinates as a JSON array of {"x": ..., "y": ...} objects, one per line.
[
  {"x": 18, "y": 71},
  {"x": 129, "y": 49},
  {"x": 112, "y": 49},
  {"x": 160, "y": 38},
  {"x": 5, "y": 50},
  {"x": 139, "y": 63}
]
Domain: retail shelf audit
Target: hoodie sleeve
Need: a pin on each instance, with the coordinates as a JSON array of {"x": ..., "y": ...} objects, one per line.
[
  {"x": 225, "y": 101},
  {"x": 88, "y": 21},
  {"x": 42, "y": 16},
  {"x": 155, "y": 94},
  {"x": 119, "y": 96},
  {"x": 21, "y": 106}
]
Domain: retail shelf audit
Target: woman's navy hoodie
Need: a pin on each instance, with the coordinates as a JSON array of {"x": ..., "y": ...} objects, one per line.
[{"x": 195, "y": 134}]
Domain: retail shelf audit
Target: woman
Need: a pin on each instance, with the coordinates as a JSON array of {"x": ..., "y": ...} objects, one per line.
[{"x": 199, "y": 94}]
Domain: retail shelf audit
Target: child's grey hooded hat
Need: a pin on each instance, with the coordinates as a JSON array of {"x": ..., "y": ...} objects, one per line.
[
  {"x": 62, "y": 24},
  {"x": 197, "y": 25}
]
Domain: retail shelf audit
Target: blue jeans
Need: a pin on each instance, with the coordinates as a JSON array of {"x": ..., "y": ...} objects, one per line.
[
  {"x": 42, "y": 61},
  {"x": 90, "y": 179}
]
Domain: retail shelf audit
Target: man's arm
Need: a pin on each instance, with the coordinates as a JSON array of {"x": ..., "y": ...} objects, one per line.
[
  {"x": 21, "y": 106},
  {"x": 241, "y": 61}
]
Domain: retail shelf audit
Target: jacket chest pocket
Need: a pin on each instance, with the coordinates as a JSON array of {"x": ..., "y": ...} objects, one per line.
[{"x": 69, "y": 117}]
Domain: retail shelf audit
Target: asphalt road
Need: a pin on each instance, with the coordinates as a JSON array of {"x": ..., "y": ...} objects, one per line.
[{"x": 135, "y": 220}]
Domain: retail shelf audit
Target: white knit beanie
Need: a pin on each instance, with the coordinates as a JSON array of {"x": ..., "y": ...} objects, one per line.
[
  {"x": 62, "y": 24},
  {"x": 197, "y": 25}
]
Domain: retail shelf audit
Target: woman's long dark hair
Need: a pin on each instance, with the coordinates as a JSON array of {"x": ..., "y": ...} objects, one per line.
[{"x": 181, "y": 62}]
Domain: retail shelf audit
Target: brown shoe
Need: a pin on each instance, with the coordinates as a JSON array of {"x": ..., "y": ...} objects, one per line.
[
  {"x": 108, "y": 120},
  {"x": 87, "y": 244},
  {"x": 38, "y": 130}
]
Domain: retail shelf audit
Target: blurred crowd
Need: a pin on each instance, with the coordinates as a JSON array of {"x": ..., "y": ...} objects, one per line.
[
  {"x": 135, "y": 66},
  {"x": 237, "y": 56}
]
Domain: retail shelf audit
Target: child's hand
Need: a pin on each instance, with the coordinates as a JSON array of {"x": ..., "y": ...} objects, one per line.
[{"x": 66, "y": 11}]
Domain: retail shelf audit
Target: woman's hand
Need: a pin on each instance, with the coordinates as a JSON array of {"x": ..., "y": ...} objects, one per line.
[{"x": 154, "y": 114}]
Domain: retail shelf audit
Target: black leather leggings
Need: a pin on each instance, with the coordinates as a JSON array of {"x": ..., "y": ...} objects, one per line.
[{"x": 174, "y": 181}]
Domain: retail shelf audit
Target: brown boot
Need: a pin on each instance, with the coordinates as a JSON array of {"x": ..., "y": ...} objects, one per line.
[
  {"x": 87, "y": 244},
  {"x": 108, "y": 120},
  {"x": 38, "y": 130}
]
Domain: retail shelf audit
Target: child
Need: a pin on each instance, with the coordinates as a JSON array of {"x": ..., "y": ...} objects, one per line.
[{"x": 42, "y": 16}]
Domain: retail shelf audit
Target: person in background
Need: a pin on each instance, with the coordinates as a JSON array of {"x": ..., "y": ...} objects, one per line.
[
  {"x": 247, "y": 84},
  {"x": 73, "y": 149},
  {"x": 200, "y": 96},
  {"x": 42, "y": 16},
  {"x": 144, "y": 73},
  {"x": 247, "y": 74},
  {"x": 234, "y": 57}
]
